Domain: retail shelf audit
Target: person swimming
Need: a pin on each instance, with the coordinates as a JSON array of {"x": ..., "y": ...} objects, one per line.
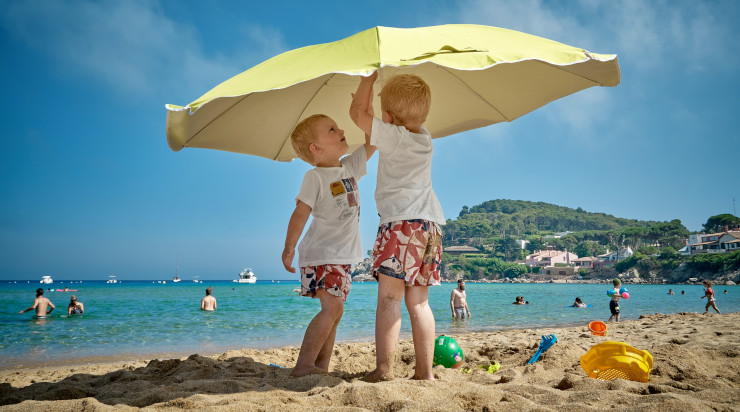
[{"x": 578, "y": 303}]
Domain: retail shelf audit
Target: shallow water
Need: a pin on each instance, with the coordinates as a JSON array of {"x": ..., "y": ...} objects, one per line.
[{"x": 139, "y": 319}]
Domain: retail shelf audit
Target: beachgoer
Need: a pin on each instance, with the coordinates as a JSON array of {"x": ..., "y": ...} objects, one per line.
[
  {"x": 209, "y": 301},
  {"x": 614, "y": 302},
  {"x": 408, "y": 246},
  {"x": 75, "y": 307},
  {"x": 579, "y": 303},
  {"x": 66, "y": 289},
  {"x": 725, "y": 291},
  {"x": 459, "y": 301},
  {"x": 41, "y": 304},
  {"x": 683, "y": 292},
  {"x": 330, "y": 194},
  {"x": 709, "y": 294},
  {"x": 670, "y": 292},
  {"x": 519, "y": 300}
]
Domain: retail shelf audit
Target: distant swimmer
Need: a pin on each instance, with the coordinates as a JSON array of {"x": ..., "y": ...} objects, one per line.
[
  {"x": 75, "y": 307},
  {"x": 41, "y": 304},
  {"x": 208, "y": 302}
]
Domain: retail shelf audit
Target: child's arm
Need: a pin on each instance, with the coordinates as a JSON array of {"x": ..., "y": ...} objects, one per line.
[
  {"x": 295, "y": 227},
  {"x": 360, "y": 108}
]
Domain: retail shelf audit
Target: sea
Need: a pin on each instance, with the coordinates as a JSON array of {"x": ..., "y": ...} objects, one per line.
[{"x": 135, "y": 320}]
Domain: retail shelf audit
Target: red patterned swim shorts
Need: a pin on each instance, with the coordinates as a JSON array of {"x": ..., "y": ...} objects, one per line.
[
  {"x": 334, "y": 279},
  {"x": 410, "y": 250}
]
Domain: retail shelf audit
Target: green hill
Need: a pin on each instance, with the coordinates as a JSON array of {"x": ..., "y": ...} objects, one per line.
[{"x": 494, "y": 220}]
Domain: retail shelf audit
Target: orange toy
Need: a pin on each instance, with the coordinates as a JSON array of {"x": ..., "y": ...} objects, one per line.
[
  {"x": 612, "y": 360},
  {"x": 597, "y": 328}
]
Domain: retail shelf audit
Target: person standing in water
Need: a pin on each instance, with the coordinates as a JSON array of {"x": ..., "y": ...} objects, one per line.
[
  {"x": 41, "y": 304},
  {"x": 208, "y": 302},
  {"x": 459, "y": 302}
]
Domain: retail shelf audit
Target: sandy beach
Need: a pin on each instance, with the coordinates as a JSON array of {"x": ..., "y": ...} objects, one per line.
[{"x": 696, "y": 368}]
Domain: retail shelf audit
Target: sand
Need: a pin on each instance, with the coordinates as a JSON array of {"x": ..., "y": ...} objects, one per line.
[{"x": 696, "y": 368}]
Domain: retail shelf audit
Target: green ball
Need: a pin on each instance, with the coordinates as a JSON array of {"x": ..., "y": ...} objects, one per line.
[{"x": 447, "y": 352}]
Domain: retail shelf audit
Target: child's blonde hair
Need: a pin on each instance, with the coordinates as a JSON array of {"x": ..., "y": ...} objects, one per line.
[
  {"x": 708, "y": 283},
  {"x": 407, "y": 97},
  {"x": 303, "y": 135}
]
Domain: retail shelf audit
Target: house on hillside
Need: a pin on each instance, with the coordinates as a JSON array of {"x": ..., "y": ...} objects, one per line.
[
  {"x": 549, "y": 257},
  {"x": 608, "y": 259},
  {"x": 461, "y": 250},
  {"x": 585, "y": 262},
  {"x": 721, "y": 242}
]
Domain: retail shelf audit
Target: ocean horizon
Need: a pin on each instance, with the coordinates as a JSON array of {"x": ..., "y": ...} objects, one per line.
[{"x": 145, "y": 319}]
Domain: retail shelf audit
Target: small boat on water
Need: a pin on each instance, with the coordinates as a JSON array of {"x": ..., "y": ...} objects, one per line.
[
  {"x": 246, "y": 276},
  {"x": 196, "y": 279},
  {"x": 46, "y": 279},
  {"x": 112, "y": 279},
  {"x": 176, "y": 278}
]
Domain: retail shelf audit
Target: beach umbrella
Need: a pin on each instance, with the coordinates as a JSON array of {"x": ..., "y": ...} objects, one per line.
[{"x": 478, "y": 75}]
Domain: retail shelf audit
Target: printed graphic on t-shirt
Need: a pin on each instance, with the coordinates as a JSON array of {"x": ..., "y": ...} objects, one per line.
[
  {"x": 350, "y": 201},
  {"x": 350, "y": 184},
  {"x": 337, "y": 188}
]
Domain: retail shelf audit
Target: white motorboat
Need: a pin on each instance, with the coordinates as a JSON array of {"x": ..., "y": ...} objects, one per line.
[
  {"x": 246, "y": 276},
  {"x": 176, "y": 278},
  {"x": 196, "y": 279},
  {"x": 46, "y": 279},
  {"x": 112, "y": 279}
]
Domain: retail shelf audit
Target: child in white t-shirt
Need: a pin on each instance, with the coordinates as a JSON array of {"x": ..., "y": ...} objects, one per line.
[
  {"x": 408, "y": 247},
  {"x": 330, "y": 194}
]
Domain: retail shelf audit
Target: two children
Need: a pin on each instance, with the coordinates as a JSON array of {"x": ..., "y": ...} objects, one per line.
[{"x": 408, "y": 248}]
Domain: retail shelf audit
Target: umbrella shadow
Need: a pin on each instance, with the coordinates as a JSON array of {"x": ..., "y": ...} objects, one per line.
[{"x": 170, "y": 379}]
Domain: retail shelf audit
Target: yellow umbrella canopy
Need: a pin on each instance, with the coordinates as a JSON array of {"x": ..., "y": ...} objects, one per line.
[{"x": 479, "y": 75}]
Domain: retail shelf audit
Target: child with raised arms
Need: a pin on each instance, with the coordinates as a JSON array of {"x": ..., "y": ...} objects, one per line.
[
  {"x": 330, "y": 194},
  {"x": 408, "y": 245}
]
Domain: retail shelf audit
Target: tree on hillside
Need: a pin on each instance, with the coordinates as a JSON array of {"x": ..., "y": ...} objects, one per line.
[{"x": 717, "y": 223}]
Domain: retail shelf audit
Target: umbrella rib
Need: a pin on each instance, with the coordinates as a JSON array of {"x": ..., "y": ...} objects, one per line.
[
  {"x": 475, "y": 92},
  {"x": 303, "y": 112},
  {"x": 216, "y": 118}
]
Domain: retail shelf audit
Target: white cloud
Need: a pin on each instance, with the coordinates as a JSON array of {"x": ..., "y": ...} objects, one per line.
[
  {"x": 131, "y": 45},
  {"x": 650, "y": 38}
]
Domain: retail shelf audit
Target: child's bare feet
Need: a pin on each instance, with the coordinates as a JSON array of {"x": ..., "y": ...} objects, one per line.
[
  {"x": 423, "y": 378},
  {"x": 311, "y": 370},
  {"x": 376, "y": 376}
]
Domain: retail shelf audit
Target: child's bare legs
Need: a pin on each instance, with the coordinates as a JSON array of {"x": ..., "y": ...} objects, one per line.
[
  {"x": 712, "y": 304},
  {"x": 387, "y": 326},
  {"x": 422, "y": 330},
  {"x": 318, "y": 342}
]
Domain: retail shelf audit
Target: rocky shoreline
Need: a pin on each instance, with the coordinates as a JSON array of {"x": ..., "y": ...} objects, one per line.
[{"x": 679, "y": 276}]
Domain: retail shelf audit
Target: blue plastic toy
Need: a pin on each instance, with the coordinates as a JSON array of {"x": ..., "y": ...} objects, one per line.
[{"x": 547, "y": 341}]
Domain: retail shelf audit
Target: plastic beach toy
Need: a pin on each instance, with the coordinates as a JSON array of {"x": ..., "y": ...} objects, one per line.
[
  {"x": 487, "y": 368},
  {"x": 447, "y": 352},
  {"x": 597, "y": 328},
  {"x": 611, "y": 360},
  {"x": 547, "y": 341},
  {"x": 625, "y": 295}
]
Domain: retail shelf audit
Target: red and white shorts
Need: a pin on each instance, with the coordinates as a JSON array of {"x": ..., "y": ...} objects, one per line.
[
  {"x": 410, "y": 250},
  {"x": 334, "y": 279}
]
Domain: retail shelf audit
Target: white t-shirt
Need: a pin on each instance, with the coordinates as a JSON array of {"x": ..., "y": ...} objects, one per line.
[
  {"x": 404, "y": 188},
  {"x": 334, "y": 197}
]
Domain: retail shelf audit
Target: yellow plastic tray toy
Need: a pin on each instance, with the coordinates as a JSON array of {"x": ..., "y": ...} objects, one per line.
[{"x": 611, "y": 360}]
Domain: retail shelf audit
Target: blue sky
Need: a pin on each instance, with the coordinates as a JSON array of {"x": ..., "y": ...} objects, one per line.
[{"x": 89, "y": 186}]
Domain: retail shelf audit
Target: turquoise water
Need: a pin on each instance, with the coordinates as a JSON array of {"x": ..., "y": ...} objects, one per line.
[{"x": 138, "y": 319}]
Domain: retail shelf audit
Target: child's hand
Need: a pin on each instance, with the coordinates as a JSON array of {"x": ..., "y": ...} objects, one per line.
[{"x": 288, "y": 255}]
